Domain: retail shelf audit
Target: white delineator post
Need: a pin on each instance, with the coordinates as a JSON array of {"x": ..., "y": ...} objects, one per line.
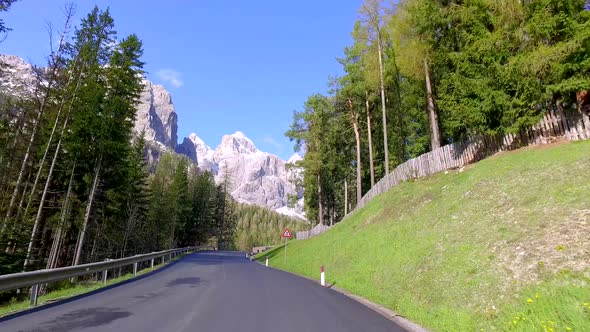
[
  {"x": 323, "y": 277},
  {"x": 267, "y": 261}
]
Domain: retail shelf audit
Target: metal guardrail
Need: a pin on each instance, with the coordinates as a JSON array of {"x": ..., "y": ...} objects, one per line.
[{"x": 35, "y": 278}]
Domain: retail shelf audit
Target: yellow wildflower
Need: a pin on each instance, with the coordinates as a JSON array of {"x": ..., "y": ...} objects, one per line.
[
  {"x": 567, "y": 328},
  {"x": 536, "y": 295},
  {"x": 530, "y": 300}
]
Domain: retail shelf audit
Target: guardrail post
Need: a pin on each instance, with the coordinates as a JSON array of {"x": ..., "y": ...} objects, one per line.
[
  {"x": 152, "y": 263},
  {"x": 135, "y": 268},
  {"x": 104, "y": 276},
  {"x": 34, "y": 295}
]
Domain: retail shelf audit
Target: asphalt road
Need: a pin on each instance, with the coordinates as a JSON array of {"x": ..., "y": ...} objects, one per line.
[{"x": 210, "y": 291}]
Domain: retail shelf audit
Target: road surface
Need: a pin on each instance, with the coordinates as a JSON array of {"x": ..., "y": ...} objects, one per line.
[{"x": 209, "y": 291}]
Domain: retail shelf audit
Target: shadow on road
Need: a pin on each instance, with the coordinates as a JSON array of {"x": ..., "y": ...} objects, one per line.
[{"x": 80, "y": 319}]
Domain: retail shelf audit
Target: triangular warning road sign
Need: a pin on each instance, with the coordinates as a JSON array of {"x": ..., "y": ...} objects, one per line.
[{"x": 287, "y": 233}]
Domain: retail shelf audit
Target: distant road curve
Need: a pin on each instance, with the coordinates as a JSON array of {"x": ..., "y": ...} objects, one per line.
[{"x": 209, "y": 291}]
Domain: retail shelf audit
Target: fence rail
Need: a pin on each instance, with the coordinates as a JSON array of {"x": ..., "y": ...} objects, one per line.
[
  {"x": 555, "y": 124},
  {"x": 317, "y": 230},
  {"x": 39, "y": 277}
]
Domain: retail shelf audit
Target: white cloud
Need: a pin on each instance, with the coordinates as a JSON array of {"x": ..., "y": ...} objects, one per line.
[
  {"x": 271, "y": 141},
  {"x": 170, "y": 76}
]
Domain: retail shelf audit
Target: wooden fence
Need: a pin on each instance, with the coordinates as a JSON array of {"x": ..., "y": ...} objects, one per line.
[
  {"x": 571, "y": 125},
  {"x": 317, "y": 230}
]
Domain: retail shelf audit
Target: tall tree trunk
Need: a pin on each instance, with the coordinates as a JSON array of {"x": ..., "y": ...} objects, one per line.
[
  {"x": 11, "y": 247},
  {"x": 321, "y": 210},
  {"x": 357, "y": 136},
  {"x": 53, "y": 254},
  {"x": 345, "y": 197},
  {"x": 434, "y": 128},
  {"x": 16, "y": 190},
  {"x": 43, "y": 196},
  {"x": 372, "y": 168},
  {"x": 51, "y": 168},
  {"x": 10, "y": 146},
  {"x": 94, "y": 251},
  {"x": 80, "y": 244},
  {"x": 49, "y": 142},
  {"x": 44, "y": 101},
  {"x": 331, "y": 211},
  {"x": 383, "y": 109}
]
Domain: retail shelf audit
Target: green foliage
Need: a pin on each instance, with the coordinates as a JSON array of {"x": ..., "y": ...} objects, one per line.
[
  {"x": 495, "y": 67},
  {"x": 258, "y": 226},
  {"x": 321, "y": 130},
  {"x": 187, "y": 208},
  {"x": 465, "y": 251}
]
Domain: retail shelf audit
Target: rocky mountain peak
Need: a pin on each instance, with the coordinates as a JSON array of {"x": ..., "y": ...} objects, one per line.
[
  {"x": 202, "y": 148},
  {"x": 156, "y": 116},
  {"x": 236, "y": 143},
  {"x": 18, "y": 77},
  {"x": 294, "y": 158},
  {"x": 256, "y": 177}
]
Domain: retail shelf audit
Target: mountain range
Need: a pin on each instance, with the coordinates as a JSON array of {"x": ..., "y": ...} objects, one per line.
[{"x": 253, "y": 176}]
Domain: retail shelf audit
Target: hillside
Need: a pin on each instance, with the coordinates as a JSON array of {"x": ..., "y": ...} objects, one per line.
[
  {"x": 501, "y": 245},
  {"x": 259, "y": 226}
]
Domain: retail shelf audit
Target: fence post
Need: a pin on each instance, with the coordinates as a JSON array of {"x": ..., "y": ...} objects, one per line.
[
  {"x": 34, "y": 295},
  {"x": 135, "y": 268}
]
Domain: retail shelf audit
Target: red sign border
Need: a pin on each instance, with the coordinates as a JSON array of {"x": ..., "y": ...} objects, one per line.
[{"x": 287, "y": 231}]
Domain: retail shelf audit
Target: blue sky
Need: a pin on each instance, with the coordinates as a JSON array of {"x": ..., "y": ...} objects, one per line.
[{"x": 229, "y": 65}]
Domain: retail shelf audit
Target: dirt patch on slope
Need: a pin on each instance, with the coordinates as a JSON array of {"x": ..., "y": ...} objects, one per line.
[{"x": 562, "y": 245}]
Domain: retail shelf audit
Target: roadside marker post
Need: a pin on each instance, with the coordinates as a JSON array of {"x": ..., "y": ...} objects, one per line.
[
  {"x": 34, "y": 295},
  {"x": 266, "y": 261},
  {"x": 323, "y": 277},
  {"x": 287, "y": 235}
]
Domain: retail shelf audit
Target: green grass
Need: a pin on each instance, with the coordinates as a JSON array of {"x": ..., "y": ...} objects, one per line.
[
  {"x": 465, "y": 251},
  {"x": 73, "y": 290}
]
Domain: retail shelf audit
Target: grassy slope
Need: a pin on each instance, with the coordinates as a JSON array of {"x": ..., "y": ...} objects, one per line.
[{"x": 503, "y": 245}]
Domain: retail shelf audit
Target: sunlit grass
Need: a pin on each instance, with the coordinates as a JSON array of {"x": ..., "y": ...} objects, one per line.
[{"x": 464, "y": 251}]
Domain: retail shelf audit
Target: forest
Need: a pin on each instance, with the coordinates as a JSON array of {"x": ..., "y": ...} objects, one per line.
[
  {"x": 424, "y": 73},
  {"x": 75, "y": 185}
]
